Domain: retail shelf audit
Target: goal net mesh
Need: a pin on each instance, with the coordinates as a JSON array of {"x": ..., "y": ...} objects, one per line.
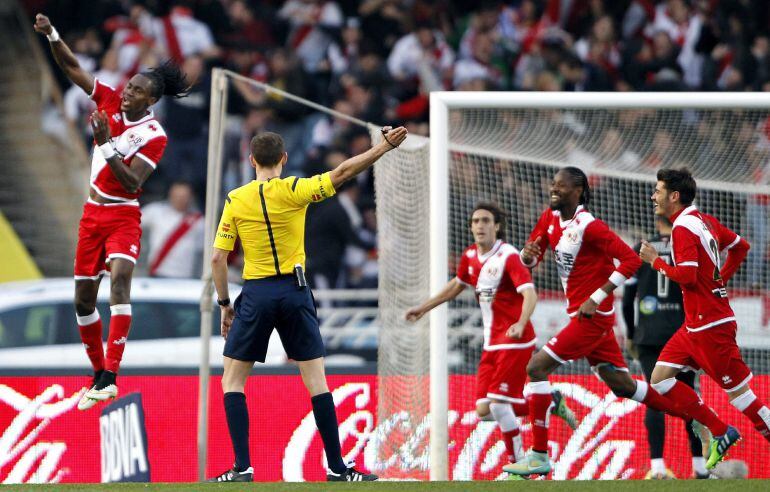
[{"x": 509, "y": 156}]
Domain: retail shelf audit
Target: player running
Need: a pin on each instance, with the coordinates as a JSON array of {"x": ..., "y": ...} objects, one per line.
[
  {"x": 584, "y": 249},
  {"x": 707, "y": 338},
  {"x": 128, "y": 144},
  {"x": 507, "y": 298}
]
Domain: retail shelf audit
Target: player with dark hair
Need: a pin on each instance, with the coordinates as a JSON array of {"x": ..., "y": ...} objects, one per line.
[
  {"x": 585, "y": 250},
  {"x": 706, "y": 340},
  {"x": 128, "y": 144},
  {"x": 659, "y": 315},
  {"x": 507, "y": 298}
]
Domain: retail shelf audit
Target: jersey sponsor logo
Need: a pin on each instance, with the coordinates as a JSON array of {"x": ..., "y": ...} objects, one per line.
[
  {"x": 486, "y": 295},
  {"x": 315, "y": 198},
  {"x": 135, "y": 140},
  {"x": 727, "y": 379},
  {"x": 224, "y": 235},
  {"x": 471, "y": 253},
  {"x": 152, "y": 127},
  {"x": 564, "y": 261},
  {"x": 552, "y": 341},
  {"x": 572, "y": 237},
  {"x": 504, "y": 387},
  {"x": 550, "y": 229},
  {"x": 648, "y": 305},
  {"x": 225, "y": 227},
  {"x": 134, "y": 249},
  {"x": 720, "y": 292},
  {"x": 116, "y": 117}
]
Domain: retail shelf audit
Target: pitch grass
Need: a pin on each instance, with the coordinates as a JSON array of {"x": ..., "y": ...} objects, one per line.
[{"x": 538, "y": 486}]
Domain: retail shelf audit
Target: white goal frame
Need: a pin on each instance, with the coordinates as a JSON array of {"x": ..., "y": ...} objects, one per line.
[{"x": 441, "y": 103}]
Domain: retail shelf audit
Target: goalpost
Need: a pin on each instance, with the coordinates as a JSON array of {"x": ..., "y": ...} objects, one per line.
[{"x": 506, "y": 147}]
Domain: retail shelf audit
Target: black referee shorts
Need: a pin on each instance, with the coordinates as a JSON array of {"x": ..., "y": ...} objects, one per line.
[{"x": 274, "y": 302}]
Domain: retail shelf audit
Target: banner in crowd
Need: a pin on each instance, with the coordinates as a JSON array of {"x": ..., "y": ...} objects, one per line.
[{"x": 150, "y": 434}]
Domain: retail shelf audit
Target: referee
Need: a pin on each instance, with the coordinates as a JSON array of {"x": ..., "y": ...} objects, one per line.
[
  {"x": 268, "y": 215},
  {"x": 660, "y": 314}
]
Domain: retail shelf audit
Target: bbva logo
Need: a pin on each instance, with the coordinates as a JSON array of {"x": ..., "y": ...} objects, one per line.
[{"x": 124, "y": 441}]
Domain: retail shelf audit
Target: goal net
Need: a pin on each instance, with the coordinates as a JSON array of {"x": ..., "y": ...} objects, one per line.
[{"x": 506, "y": 148}]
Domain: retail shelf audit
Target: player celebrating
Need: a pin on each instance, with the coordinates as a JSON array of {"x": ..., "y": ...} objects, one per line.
[
  {"x": 507, "y": 298},
  {"x": 660, "y": 315},
  {"x": 129, "y": 143},
  {"x": 585, "y": 249},
  {"x": 707, "y": 338}
]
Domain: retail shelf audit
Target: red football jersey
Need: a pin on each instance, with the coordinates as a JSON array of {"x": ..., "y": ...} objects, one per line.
[
  {"x": 499, "y": 277},
  {"x": 584, "y": 249},
  {"x": 144, "y": 138},
  {"x": 696, "y": 241}
]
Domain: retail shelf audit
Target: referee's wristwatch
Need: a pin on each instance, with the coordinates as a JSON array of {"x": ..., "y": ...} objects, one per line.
[{"x": 224, "y": 302}]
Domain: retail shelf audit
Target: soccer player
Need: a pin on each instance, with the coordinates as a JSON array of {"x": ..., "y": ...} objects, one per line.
[
  {"x": 268, "y": 215},
  {"x": 128, "y": 144},
  {"x": 507, "y": 298},
  {"x": 707, "y": 337},
  {"x": 585, "y": 249},
  {"x": 660, "y": 315}
]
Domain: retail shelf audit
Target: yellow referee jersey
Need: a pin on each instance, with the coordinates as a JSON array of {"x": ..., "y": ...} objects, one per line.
[{"x": 269, "y": 217}]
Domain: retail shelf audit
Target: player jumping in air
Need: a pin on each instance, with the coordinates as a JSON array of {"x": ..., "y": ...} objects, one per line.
[
  {"x": 707, "y": 338},
  {"x": 507, "y": 298},
  {"x": 128, "y": 144},
  {"x": 584, "y": 248}
]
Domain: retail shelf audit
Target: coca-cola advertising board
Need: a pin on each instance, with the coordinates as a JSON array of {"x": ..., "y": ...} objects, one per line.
[{"x": 150, "y": 434}]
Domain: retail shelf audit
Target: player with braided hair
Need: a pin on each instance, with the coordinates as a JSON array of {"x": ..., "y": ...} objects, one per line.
[
  {"x": 128, "y": 144},
  {"x": 585, "y": 250}
]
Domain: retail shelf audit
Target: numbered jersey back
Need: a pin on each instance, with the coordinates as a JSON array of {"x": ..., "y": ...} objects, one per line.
[{"x": 697, "y": 239}]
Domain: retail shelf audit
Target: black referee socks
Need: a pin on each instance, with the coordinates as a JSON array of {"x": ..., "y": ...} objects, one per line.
[
  {"x": 238, "y": 422},
  {"x": 326, "y": 421}
]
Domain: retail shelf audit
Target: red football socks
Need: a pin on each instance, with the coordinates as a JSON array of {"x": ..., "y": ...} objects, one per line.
[
  {"x": 540, "y": 401},
  {"x": 90, "y": 328},
  {"x": 120, "y": 324},
  {"x": 755, "y": 409}
]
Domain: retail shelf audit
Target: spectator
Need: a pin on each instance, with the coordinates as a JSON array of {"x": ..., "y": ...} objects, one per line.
[
  {"x": 479, "y": 66},
  {"x": 174, "y": 230},
  {"x": 178, "y": 35},
  {"x": 675, "y": 18},
  {"x": 422, "y": 54},
  {"x": 332, "y": 226},
  {"x": 312, "y": 22},
  {"x": 186, "y": 123}
]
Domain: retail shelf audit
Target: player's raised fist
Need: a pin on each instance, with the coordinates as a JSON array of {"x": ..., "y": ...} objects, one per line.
[
  {"x": 394, "y": 136},
  {"x": 101, "y": 126},
  {"x": 43, "y": 24},
  {"x": 647, "y": 252},
  {"x": 414, "y": 314}
]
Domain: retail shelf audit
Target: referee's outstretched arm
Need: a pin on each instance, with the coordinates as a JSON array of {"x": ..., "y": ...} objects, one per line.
[{"x": 391, "y": 138}]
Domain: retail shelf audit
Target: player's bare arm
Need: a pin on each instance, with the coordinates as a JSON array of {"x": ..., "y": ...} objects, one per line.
[
  {"x": 452, "y": 289},
  {"x": 63, "y": 55},
  {"x": 527, "y": 308},
  {"x": 219, "y": 275},
  {"x": 392, "y": 138},
  {"x": 130, "y": 177}
]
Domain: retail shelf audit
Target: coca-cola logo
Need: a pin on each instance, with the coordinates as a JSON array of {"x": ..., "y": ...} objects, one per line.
[
  {"x": 35, "y": 461},
  {"x": 399, "y": 446}
]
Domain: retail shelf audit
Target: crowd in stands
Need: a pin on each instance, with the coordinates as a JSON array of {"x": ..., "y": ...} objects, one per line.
[{"x": 378, "y": 60}]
